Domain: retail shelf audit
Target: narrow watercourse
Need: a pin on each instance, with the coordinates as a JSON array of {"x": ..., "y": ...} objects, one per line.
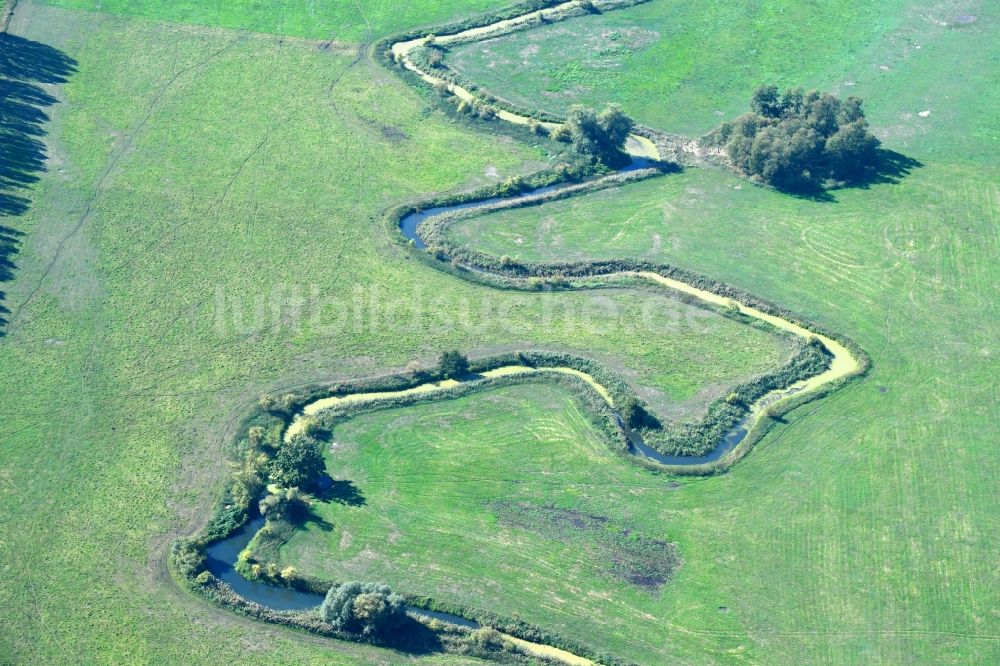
[{"x": 845, "y": 363}]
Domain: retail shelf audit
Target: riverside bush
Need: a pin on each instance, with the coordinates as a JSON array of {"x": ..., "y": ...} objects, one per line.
[
  {"x": 370, "y": 609},
  {"x": 453, "y": 364}
]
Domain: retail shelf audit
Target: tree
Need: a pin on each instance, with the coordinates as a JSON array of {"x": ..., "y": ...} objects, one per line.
[
  {"x": 584, "y": 131},
  {"x": 823, "y": 114},
  {"x": 783, "y": 154},
  {"x": 852, "y": 150},
  {"x": 372, "y": 609},
  {"x": 765, "y": 102},
  {"x": 298, "y": 463},
  {"x": 616, "y": 126},
  {"x": 850, "y": 111},
  {"x": 801, "y": 141},
  {"x": 453, "y": 364},
  {"x": 600, "y": 137},
  {"x": 791, "y": 101},
  {"x": 290, "y": 504},
  {"x": 634, "y": 414}
]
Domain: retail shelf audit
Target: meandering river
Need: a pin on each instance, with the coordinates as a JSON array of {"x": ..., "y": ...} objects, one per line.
[{"x": 222, "y": 555}]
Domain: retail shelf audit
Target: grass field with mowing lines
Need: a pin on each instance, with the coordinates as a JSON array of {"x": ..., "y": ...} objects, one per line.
[
  {"x": 886, "y": 492},
  {"x": 442, "y": 485},
  {"x": 882, "y": 552},
  {"x": 342, "y": 21}
]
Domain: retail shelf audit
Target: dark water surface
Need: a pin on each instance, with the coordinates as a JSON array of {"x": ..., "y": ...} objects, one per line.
[
  {"x": 408, "y": 225},
  {"x": 221, "y": 563}
]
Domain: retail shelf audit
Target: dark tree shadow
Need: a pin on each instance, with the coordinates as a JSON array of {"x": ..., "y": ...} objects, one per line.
[
  {"x": 24, "y": 66},
  {"x": 889, "y": 167},
  {"x": 319, "y": 521},
  {"x": 340, "y": 491},
  {"x": 298, "y": 514},
  {"x": 413, "y": 638},
  {"x": 24, "y": 59},
  {"x": 812, "y": 193}
]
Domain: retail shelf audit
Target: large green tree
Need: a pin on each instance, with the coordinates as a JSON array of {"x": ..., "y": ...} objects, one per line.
[
  {"x": 600, "y": 137},
  {"x": 298, "y": 462}
]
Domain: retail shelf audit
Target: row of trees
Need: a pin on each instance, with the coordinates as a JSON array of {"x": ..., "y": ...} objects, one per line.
[{"x": 800, "y": 141}]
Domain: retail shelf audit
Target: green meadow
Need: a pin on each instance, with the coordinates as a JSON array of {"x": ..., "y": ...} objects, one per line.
[
  {"x": 339, "y": 21},
  {"x": 685, "y": 66},
  {"x": 207, "y": 227},
  {"x": 510, "y": 501},
  {"x": 195, "y": 174}
]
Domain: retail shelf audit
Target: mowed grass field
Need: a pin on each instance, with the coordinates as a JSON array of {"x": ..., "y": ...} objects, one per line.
[
  {"x": 509, "y": 501},
  {"x": 886, "y": 492},
  {"x": 342, "y": 20},
  {"x": 858, "y": 533},
  {"x": 194, "y": 174},
  {"x": 861, "y": 534}
]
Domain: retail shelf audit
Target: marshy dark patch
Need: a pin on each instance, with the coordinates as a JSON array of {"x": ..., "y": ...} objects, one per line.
[
  {"x": 528, "y": 515},
  {"x": 393, "y": 134},
  {"x": 883, "y": 389},
  {"x": 625, "y": 554},
  {"x": 389, "y": 132}
]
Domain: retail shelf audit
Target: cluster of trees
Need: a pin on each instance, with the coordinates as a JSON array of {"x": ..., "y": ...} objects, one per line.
[
  {"x": 599, "y": 136},
  {"x": 287, "y": 503},
  {"x": 371, "y": 609},
  {"x": 295, "y": 466},
  {"x": 801, "y": 141}
]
